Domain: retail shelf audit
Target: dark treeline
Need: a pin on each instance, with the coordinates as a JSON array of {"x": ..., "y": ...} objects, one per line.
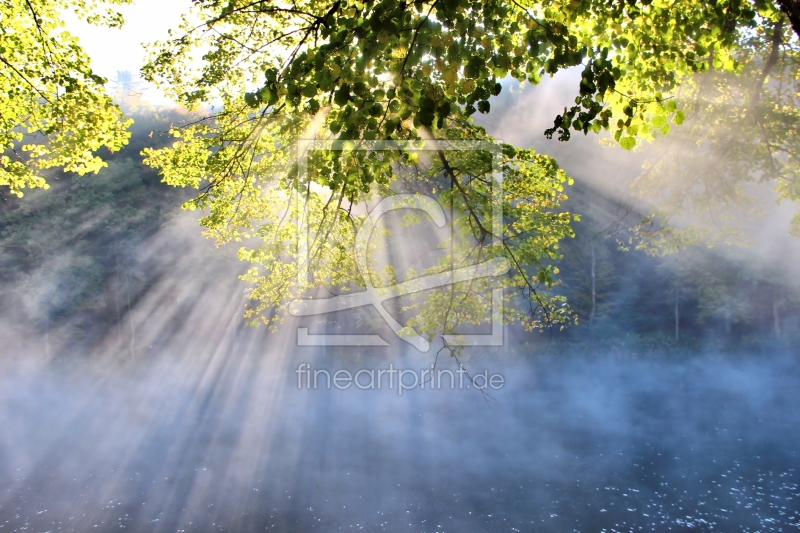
[{"x": 701, "y": 298}]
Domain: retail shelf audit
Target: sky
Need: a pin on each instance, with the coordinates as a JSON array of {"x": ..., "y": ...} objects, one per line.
[{"x": 113, "y": 50}]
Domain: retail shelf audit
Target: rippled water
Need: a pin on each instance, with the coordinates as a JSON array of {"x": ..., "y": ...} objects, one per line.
[{"x": 217, "y": 437}]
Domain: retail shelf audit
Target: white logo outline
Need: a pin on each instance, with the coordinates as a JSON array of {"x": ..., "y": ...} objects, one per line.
[{"x": 376, "y": 296}]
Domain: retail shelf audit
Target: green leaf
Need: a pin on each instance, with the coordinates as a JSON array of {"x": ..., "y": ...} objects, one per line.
[
  {"x": 627, "y": 143},
  {"x": 425, "y": 115},
  {"x": 251, "y": 99},
  {"x": 342, "y": 96}
]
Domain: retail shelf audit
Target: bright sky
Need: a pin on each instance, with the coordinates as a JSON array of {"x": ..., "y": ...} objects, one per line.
[{"x": 111, "y": 50}]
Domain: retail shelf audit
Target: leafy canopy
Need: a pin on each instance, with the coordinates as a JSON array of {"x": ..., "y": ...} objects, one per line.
[
  {"x": 54, "y": 112},
  {"x": 426, "y": 61},
  {"x": 357, "y": 71}
]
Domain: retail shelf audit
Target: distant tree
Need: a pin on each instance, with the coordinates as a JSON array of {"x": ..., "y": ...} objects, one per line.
[
  {"x": 722, "y": 290},
  {"x": 777, "y": 293},
  {"x": 589, "y": 275},
  {"x": 675, "y": 273}
]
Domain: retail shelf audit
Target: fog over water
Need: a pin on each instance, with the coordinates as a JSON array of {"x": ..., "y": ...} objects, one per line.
[
  {"x": 222, "y": 439},
  {"x": 209, "y": 432}
]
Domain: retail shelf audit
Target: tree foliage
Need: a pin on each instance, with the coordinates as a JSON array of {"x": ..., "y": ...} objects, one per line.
[
  {"x": 55, "y": 112},
  {"x": 388, "y": 62},
  {"x": 741, "y": 129},
  {"x": 354, "y": 71}
]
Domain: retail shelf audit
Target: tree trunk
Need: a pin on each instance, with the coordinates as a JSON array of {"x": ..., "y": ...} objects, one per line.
[
  {"x": 130, "y": 315},
  {"x": 772, "y": 60},
  {"x": 47, "y": 337},
  {"x": 594, "y": 286},
  {"x": 792, "y": 10},
  {"x": 118, "y": 322},
  {"x": 776, "y": 318}
]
